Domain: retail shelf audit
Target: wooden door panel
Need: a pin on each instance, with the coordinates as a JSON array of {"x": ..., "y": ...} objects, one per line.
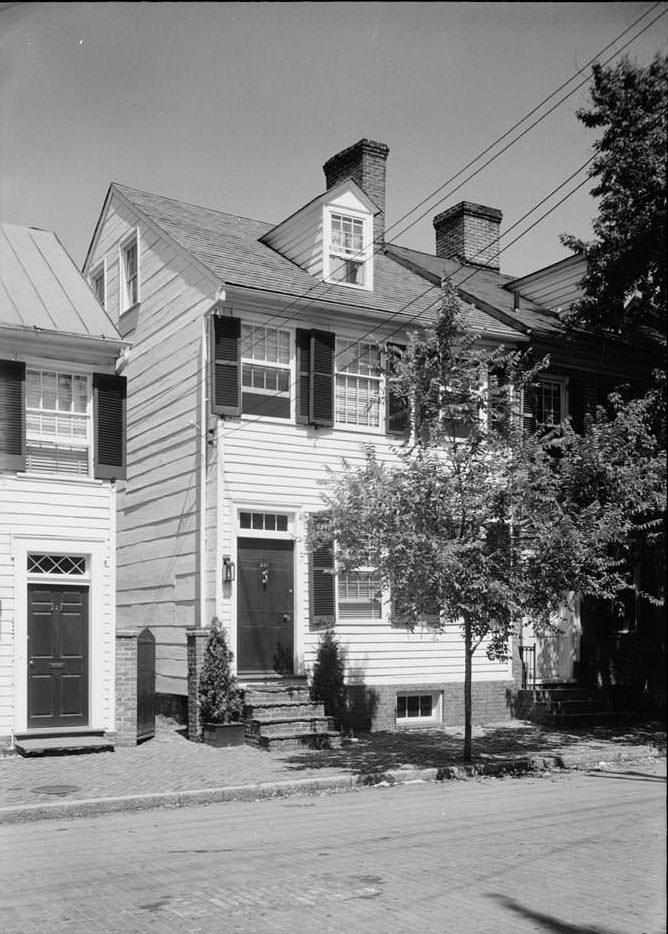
[
  {"x": 265, "y": 602},
  {"x": 57, "y": 656}
]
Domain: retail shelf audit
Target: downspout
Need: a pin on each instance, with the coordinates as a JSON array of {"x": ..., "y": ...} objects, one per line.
[{"x": 202, "y": 473}]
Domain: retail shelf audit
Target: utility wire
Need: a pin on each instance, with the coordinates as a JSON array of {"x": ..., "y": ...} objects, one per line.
[{"x": 279, "y": 316}]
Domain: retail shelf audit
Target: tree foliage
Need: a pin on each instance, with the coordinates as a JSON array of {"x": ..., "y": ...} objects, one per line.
[
  {"x": 328, "y": 681},
  {"x": 479, "y": 523},
  {"x": 220, "y": 698},
  {"x": 625, "y": 283}
]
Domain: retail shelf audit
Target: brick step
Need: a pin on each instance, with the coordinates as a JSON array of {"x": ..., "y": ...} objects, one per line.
[
  {"x": 284, "y": 695},
  {"x": 286, "y": 742},
  {"x": 62, "y": 745},
  {"x": 294, "y": 709},
  {"x": 280, "y": 727}
]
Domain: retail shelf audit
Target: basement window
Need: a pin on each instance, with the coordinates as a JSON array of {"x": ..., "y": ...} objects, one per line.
[{"x": 413, "y": 707}]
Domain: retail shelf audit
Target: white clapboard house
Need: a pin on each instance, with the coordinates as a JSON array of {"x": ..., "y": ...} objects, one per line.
[
  {"x": 61, "y": 452},
  {"x": 255, "y": 369}
]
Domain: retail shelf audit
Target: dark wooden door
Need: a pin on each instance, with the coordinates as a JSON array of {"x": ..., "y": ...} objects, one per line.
[
  {"x": 145, "y": 685},
  {"x": 265, "y": 604},
  {"x": 57, "y": 656}
]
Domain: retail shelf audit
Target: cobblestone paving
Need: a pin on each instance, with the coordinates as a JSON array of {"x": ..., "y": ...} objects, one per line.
[{"x": 169, "y": 763}]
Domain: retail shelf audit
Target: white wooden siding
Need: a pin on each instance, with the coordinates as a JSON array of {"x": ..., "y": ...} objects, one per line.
[
  {"x": 280, "y": 467},
  {"x": 158, "y": 541},
  {"x": 54, "y": 511}
]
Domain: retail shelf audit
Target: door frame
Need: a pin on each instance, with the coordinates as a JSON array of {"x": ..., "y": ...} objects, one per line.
[
  {"x": 83, "y": 587},
  {"x": 229, "y": 592},
  {"x": 100, "y": 565}
]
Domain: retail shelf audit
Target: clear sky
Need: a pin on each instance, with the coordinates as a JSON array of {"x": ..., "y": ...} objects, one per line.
[{"x": 236, "y": 106}]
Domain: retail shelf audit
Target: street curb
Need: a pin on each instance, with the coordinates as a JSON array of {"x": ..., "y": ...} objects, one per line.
[{"x": 90, "y": 807}]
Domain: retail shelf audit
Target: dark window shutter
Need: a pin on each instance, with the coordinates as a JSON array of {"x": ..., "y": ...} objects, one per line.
[
  {"x": 323, "y": 611},
  {"x": 322, "y": 378},
  {"x": 110, "y": 418},
  {"x": 225, "y": 366},
  {"x": 530, "y": 408},
  {"x": 303, "y": 376},
  {"x": 576, "y": 404},
  {"x": 397, "y": 414},
  {"x": 12, "y": 415}
]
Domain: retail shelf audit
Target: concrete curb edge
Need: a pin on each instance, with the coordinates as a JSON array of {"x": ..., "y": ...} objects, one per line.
[{"x": 89, "y": 807}]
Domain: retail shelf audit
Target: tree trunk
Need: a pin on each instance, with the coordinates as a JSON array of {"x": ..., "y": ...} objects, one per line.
[{"x": 468, "y": 657}]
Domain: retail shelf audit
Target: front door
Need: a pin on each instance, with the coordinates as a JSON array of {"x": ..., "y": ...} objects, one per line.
[
  {"x": 57, "y": 656},
  {"x": 265, "y": 605}
]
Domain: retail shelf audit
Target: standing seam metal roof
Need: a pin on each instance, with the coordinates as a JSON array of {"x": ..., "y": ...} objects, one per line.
[{"x": 41, "y": 287}]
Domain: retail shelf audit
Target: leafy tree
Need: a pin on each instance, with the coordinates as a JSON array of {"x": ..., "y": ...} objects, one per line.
[
  {"x": 481, "y": 523},
  {"x": 625, "y": 283}
]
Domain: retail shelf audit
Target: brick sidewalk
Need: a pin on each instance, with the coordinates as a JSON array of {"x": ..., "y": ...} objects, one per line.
[{"x": 169, "y": 763}]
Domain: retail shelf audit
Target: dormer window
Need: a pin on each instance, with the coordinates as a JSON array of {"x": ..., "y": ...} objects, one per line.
[{"x": 347, "y": 261}]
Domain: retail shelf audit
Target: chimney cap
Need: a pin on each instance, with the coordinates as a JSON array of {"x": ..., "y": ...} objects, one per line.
[
  {"x": 470, "y": 208},
  {"x": 371, "y": 145}
]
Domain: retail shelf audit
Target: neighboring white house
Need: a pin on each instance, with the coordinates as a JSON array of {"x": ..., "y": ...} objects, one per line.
[
  {"x": 256, "y": 367},
  {"x": 61, "y": 451}
]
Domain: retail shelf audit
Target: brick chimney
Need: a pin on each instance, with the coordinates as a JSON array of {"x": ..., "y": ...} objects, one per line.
[
  {"x": 469, "y": 233},
  {"x": 365, "y": 163}
]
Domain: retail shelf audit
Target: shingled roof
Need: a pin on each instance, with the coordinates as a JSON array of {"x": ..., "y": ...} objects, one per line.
[
  {"x": 229, "y": 246},
  {"x": 485, "y": 286}
]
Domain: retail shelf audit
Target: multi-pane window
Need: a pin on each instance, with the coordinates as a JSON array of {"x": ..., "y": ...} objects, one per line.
[
  {"x": 415, "y": 706},
  {"x": 543, "y": 404},
  {"x": 97, "y": 282},
  {"x": 358, "y": 383},
  {"x": 263, "y": 521},
  {"x": 359, "y": 595},
  {"x": 265, "y": 370},
  {"x": 346, "y": 257},
  {"x": 130, "y": 274},
  {"x": 57, "y": 422}
]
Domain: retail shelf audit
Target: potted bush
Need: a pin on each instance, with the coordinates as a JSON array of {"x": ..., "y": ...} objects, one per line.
[{"x": 221, "y": 701}]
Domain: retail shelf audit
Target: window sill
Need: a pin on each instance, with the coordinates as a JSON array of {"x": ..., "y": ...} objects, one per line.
[
  {"x": 31, "y": 475},
  {"x": 126, "y": 311},
  {"x": 349, "y": 285}
]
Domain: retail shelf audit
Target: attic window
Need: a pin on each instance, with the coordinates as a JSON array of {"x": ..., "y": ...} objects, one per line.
[{"x": 346, "y": 250}]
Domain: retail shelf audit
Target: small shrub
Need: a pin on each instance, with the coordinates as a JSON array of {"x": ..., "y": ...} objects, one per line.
[
  {"x": 220, "y": 698},
  {"x": 283, "y": 659},
  {"x": 327, "y": 684}
]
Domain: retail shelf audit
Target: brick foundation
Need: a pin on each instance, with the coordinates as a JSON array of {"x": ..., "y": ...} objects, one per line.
[
  {"x": 126, "y": 688},
  {"x": 373, "y": 708},
  {"x": 197, "y": 640}
]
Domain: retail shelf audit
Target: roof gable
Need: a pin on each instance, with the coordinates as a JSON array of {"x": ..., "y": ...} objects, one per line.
[{"x": 41, "y": 287}]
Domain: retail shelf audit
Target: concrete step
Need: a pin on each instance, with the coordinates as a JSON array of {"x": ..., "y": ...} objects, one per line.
[
  {"x": 288, "y": 742},
  {"x": 295, "y": 709},
  {"x": 62, "y": 745},
  {"x": 280, "y": 727}
]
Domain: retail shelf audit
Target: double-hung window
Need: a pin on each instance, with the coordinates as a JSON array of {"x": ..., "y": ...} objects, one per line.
[
  {"x": 358, "y": 384},
  {"x": 359, "y": 595},
  {"x": 98, "y": 284},
  {"x": 346, "y": 250},
  {"x": 543, "y": 405},
  {"x": 265, "y": 371},
  {"x": 58, "y": 422},
  {"x": 130, "y": 274}
]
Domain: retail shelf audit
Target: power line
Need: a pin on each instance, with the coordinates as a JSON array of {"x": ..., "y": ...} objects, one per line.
[
  {"x": 279, "y": 316},
  {"x": 414, "y": 318}
]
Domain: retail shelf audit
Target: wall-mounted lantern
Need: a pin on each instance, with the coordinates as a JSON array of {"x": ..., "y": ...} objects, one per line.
[{"x": 228, "y": 569}]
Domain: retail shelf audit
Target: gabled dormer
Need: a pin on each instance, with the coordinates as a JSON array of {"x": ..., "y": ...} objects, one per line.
[{"x": 334, "y": 237}]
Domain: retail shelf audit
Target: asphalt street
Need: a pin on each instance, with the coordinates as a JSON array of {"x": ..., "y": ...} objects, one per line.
[{"x": 566, "y": 853}]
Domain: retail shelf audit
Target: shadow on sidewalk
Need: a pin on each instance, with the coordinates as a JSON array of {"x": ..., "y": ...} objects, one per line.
[
  {"x": 546, "y": 922},
  {"x": 376, "y": 752}
]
